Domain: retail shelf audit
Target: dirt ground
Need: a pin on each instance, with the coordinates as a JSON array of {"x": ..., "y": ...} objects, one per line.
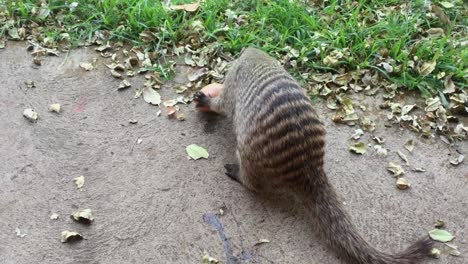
[{"x": 153, "y": 205}]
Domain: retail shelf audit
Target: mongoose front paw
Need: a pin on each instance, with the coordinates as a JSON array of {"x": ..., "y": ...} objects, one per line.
[
  {"x": 232, "y": 170},
  {"x": 201, "y": 100}
]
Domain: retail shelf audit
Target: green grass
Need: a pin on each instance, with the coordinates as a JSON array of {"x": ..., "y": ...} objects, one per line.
[{"x": 360, "y": 30}]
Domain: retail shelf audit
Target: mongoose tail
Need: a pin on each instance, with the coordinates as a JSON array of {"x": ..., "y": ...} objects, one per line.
[{"x": 341, "y": 234}]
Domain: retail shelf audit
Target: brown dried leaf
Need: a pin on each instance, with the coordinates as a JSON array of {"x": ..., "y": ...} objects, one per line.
[
  {"x": 69, "y": 236},
  {"x": 396, "y": 169},
  {"x": 457, "y": 161},
  {"x": 83, "y": 216},
  {"x": 435, "y": 32},
  {"x": 402, "y": 184},
  {"x": 427, "y": 67},
  {"x": 151, "y": 96},
  {"x": 409, "y": 145},
  {"x": 87, "y": 66},
  {"x": 432, "y": 104},
  {"x": 30, "y": 114},
  {"x": 186, "y": 7},
  {"x": 124, "y": 84},
  {"x": 449, "y": 85}
]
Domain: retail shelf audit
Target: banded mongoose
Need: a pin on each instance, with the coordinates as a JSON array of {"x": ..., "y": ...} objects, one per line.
[{"x": 280, "y": 147}]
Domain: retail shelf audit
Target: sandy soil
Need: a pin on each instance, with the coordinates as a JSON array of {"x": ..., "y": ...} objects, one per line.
[{"x": 153, "y": 205}]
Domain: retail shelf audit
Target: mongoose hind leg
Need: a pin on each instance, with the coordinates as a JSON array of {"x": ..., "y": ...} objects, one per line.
[{"x": 233, "y": 171}]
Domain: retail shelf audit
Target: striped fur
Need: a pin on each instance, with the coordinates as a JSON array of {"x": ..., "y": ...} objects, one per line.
[{"x": 280, "y": 146}]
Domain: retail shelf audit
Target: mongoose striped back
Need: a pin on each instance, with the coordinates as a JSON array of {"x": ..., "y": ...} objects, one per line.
[{"x": 280, "y": 147}]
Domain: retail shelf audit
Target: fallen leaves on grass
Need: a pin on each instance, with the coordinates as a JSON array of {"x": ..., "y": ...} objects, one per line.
[
  {"x": 186, "y": 7},
  {"x": 426, "y": 68}
]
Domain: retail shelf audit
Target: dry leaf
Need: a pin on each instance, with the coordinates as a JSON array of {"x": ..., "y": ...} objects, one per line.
[
  {"x": 403, "y": 157},
  {"x": 30, "y": 114},
  {"x": 403, "y": 184},
  {"x": 435, "y": 32},
  {"x": 357, "y": 134},
  {"x": 426, "y": 68},
  {"x": 453, "y": 249},
  {"x": 79, "y": 181},
  {"x": 69, "y": 236},
  {"x": 186, "y": 7},
  {"x": 439, "y": 223},
  {"x": 30, "y": 84},
  {"x": 124, "y": 84},
  {"x": 449, "y": 85},
  {"x": 432, "y": 104},
  {"x": 54, "y": 108},
  {"x": 116, "y": 74},
  {"x": 83, "y": 216},
  {"x": 197, "y": 75},
  {"x": 446, "y": 4},
  {"x": 435, "y": 253},
  {"x": 151, "y": 96},
  {"x": 262, "y": 241},
  {"x": 358, "y": 148},
  {"x": 396, "y": 169},
  {"x": 37, "y": 60},
  {"x": 54, "y": 216},
  {"x": 87, "y": 66},
  {"x": 381, "y": 152},
  {"x": 409, "y": 145},
  {"x": 171, "y": 111},
  {"x": 206, "y": 259},
  {"x": 19, "y": 233},
  {"x": 457, "y": 161},
  {"x": 180, "y": 116},
  {"x": 419, "y": 169}
]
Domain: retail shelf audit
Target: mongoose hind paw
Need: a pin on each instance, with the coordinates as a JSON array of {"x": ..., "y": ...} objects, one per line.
[{"x": 232, "y": 170}]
